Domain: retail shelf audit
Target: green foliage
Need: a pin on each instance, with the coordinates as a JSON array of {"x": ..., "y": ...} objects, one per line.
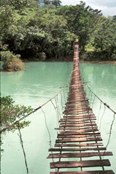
[
  {"x": 105, "y": 39},
  {"x": 81, "y": 20},
  {"x": 19, "y": 4},
  {"x": 11, "y": 62},
  {"x": 30, "y": 30},
  {"x": 10, "y": 112},
  {"x": 56, "y": 3},
  {"x": 42, "y": 56}
]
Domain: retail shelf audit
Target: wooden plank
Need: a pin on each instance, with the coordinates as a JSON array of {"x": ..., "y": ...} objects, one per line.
[
  {"x": 76, "y": 108},
  {"x": 72, "y": 121},
  {"x": 80, "y": 131},
  {"x": 78, "y": 136},
  {"x": 78, "y": 140},
  {"x": 76, "y": 97},
  {"x": 76, "y": 101},
  {"x": 77, "y": 104},
  {"x": 76, "y": 164},
  {"x": 77, "y": 113},
  {"x": 77, "y": 125},
  {"x": 86, "y": 115},
  {"x": 89, "y": 114},
  {"x": 77, "y": 128},
  {"x": 64, "y": 121},
  {"x": 76, "y": 92},
  {"x": 67, "y": 134},
  {"x": 79, "y": 117},
  {"x": 79, "y": 155},
  {"x": 77, "y": 149},
  {"x": 81, "y": 111},
  {"x": 78, "y": 145},
  {"x": 78, "y": 120},
  {"x": 86, "y": 172},
  {"x": 80, "y": 95}
]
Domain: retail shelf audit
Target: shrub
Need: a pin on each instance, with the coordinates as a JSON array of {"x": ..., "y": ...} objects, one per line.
[
  {"x": 11, "y": 62},
  {"x": 10, "y": 112},
  {"x": 42, "y": 56}
]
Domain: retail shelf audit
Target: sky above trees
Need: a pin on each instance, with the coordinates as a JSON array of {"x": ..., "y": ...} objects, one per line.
[{"x": 108, "y": 7}]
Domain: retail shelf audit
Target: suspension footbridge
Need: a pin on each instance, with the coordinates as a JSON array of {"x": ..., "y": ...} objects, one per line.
[{"x": 79, "y": 137}]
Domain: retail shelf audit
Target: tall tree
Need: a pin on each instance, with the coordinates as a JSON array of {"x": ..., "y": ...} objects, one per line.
[
  {"x": 82, "y": 20},
  {"x": 105, "y": 38}
]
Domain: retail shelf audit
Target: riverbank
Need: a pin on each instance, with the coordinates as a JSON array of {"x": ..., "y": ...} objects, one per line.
[
  {"x": 81, "y": 61},
  {"x": 99, "y": 62}
]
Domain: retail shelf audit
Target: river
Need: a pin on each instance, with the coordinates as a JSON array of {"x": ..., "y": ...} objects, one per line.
[{"x": 35, "y": 85}]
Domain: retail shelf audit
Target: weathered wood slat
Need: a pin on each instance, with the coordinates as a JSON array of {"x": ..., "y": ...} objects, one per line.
[
  {"x": 78, "y": 145},
  {"x": 77, "y": 149},
  {"x": 79, "y": 117},
  {"x": 88, "y": 115},
  {"x": 67, "y": 134},
  {"x": 76, "y": 111},
  {"x": 76, "y": 105},
  {"x": 78, "y": 136},
  {"x": 75, "y": 164},
  {"x": 77, "y": 125},
  {"x": 76, "y": 108},
  {"x": 76, "y": 120},
  {"x": 76, "y": 101},
  {"x": 83, "y": 131},
  {"x": 85, "y": 120},
  {"x": 79, "y": 155},
  {"x": 77, "y": 140},
  {"x": 78, "y": 128},
  {"x": 86, "y": 172}
]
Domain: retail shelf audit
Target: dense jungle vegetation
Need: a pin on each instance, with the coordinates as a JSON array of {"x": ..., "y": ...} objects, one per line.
[{"x": 48, "y": 32}]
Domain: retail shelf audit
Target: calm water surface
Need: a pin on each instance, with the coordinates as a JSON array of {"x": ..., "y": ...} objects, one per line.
[{"x": 35, "y": 85}]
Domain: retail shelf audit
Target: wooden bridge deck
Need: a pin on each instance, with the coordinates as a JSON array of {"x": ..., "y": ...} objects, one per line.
[{"x": 79, "y": 143}]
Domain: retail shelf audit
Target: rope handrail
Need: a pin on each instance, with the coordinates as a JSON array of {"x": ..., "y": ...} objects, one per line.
[
  {"x": 102, "y": 100},
  {"x": 114, "y": 114},
  {"x": 36, "y": 109}
]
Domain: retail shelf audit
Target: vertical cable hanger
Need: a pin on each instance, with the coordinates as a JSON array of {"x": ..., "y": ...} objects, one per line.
[
  {"x": 24, "y": 153},
  {"x": 102, "y": 116}
]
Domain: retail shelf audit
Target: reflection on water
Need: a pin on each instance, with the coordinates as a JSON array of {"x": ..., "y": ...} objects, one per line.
[{"x": 33, "y": 86}]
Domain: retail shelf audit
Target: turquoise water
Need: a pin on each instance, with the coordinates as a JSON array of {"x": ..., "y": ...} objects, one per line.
[{"x": 34, "y": 86}]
